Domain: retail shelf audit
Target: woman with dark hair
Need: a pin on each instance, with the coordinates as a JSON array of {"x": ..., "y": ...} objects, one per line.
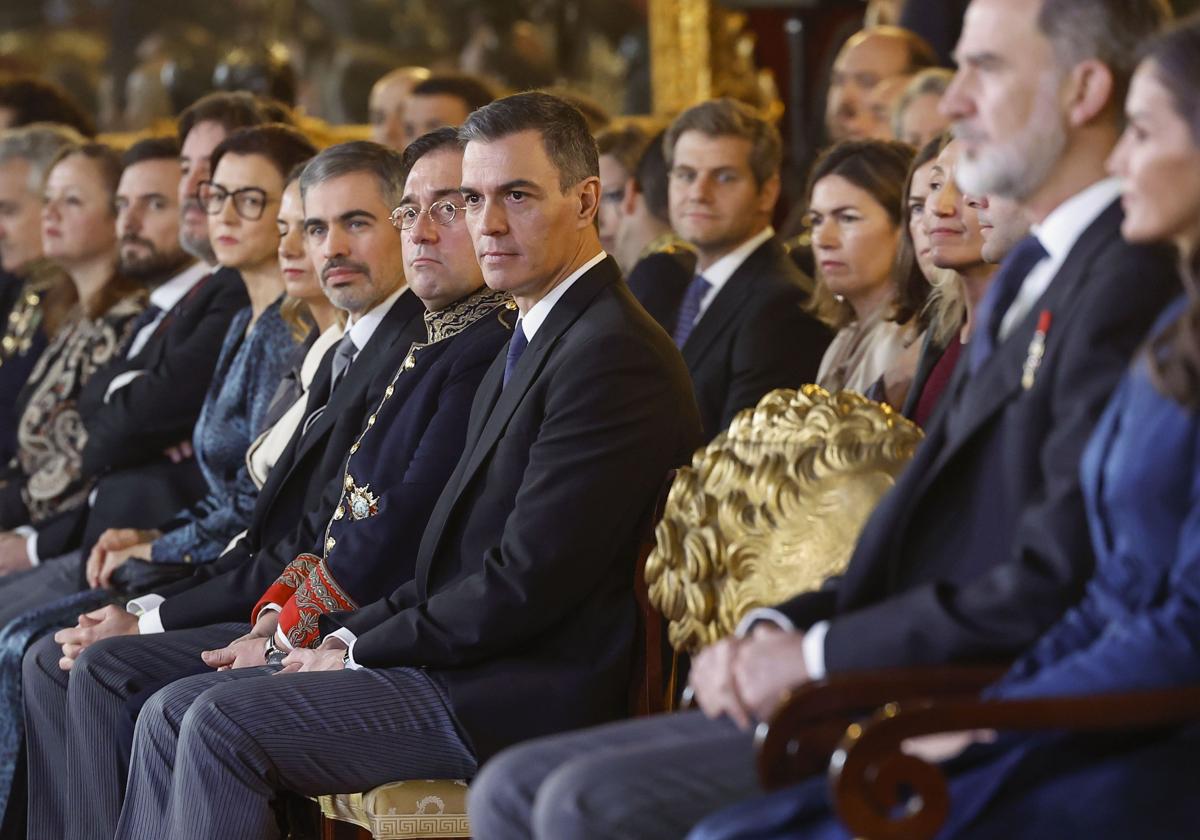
[
  {"x": 79, "y": 235},
  {"x": 242, "y": 199},
  {"x": 855, "y": 198},
  {"x": 314, "y": 321},
  {"x": 1137, "y": 626}
]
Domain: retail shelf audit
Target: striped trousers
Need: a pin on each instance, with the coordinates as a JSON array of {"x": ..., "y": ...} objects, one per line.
[
  {"x": 211, "y": 751},
  {"x": 79, "y": 730}
]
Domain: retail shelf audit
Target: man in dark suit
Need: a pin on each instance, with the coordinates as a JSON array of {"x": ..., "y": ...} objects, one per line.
[
  {"x": 983, "y": 542},
  {"x": 741, "y": 322},
  {"x": 520, "y": 619}
]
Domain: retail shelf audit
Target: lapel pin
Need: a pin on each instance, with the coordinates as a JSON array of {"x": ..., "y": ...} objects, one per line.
[{"x": 1037, "y": 349}]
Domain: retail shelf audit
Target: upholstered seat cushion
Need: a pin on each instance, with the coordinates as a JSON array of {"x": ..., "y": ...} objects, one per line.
[{"x": 404, "y": 810}]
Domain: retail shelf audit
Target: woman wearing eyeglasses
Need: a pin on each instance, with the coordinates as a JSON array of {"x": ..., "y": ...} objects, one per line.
[{"x": 242, "y": 199}]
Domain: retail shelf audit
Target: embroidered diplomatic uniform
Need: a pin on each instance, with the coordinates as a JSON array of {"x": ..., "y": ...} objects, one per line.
[{"x": 396, "y": 468}]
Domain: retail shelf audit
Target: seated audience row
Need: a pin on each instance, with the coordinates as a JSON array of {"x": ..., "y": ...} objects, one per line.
[{"x": 331, "y": 468}]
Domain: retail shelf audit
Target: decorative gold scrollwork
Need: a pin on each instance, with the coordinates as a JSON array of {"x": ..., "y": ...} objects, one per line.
[{"x": 772, "y": 507}]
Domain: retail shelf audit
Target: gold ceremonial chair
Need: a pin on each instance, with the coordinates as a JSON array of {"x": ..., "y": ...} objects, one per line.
[{"x": 771, "y": 508}]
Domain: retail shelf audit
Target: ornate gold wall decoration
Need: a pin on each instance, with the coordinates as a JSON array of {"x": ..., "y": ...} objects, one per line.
[
  {"x": 772, "y": 507},
  {"x": 700, "y": 50}
]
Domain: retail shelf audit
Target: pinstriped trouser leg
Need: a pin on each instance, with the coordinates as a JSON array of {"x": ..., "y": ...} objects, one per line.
[
  {"x": 242, "y": 741},
  {"x": 78, "y": 736}
]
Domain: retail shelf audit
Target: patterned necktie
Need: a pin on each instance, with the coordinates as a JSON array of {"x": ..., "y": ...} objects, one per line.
[
  {"x": 1000, "y": 296},
  {"x": 149, "y": 315},
  {"x": 516, "y": 346},
  {"x": 342, "y": 357},
  {"x": 689, "y": 309}
]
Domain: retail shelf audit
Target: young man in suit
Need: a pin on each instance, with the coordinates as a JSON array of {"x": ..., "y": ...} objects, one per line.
[
  {"x": 520, "y": 618},
  {"x": 741, "y": 322},
  {"x": 349, "y": 192},
  {"x": 983, "y": 542}
]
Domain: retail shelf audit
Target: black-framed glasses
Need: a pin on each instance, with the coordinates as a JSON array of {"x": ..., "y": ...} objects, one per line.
[
  {"x": 442, "y": 212},
  {"x": 248, "y": 202}
]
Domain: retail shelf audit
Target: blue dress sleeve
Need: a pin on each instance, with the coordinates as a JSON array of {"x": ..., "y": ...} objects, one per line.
[
  {"x": 1154, "y": 646},
  {"x": 209, "y": 526}
]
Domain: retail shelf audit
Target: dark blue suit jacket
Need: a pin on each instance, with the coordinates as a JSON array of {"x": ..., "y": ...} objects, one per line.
[
  {"x": 522, "y": 604},
  {"x": 408, "y": 453},
  {"x": 983, "y": 543}
]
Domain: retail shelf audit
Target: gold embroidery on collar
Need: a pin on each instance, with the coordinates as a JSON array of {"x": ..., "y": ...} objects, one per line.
[{"x": 359, "y": 502}]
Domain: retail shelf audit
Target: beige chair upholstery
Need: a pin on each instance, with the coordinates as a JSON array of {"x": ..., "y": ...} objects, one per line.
[
  {"x": 405, "y": 810},
  {"x": 769, "y": 509}
]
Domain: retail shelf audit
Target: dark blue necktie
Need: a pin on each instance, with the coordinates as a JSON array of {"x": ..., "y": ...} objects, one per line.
[
  {"x": 516, "y": 346},
  {"x": 689, "y": 309},
  {"x": 999, "y": 297}
]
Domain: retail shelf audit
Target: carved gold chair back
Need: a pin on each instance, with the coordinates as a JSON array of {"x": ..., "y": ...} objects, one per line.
[{"x": 772, "y": 507}]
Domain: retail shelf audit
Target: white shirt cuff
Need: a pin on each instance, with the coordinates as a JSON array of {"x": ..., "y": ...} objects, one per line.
[
  {"x": 120, "y": 381},
  {"x": 349, "y": 638},
  {"x": 813, "y": 646},
  {"x": 146, "y": 609},
  {"x": 763, "y": 614},
  {"x": 268, "y": 608},
  {"x": 814, "y": 650},
  {"x": 30, "y": 536}
]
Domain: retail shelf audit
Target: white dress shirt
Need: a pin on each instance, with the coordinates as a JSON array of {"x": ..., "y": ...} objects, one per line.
[
  {"x": 1058, "y": 233},
  {"x": 718, "y": 273}
]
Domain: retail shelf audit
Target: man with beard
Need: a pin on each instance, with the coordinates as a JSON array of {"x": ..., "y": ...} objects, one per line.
[
  {"x": 983, "y": 542},
  {"x": 139, "y": 406}
]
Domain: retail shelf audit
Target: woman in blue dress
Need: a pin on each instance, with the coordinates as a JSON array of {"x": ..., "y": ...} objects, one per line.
[{"x": 1138, "y": 624}]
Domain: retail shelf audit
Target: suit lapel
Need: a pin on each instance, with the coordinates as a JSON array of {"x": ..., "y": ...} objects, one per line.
[
  {"x": 979, "y": 397},
  {"x": 495, "y": 405},
  {"x": 734, "y": 295}
]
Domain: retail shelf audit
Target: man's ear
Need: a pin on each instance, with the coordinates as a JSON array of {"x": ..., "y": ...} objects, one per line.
[
  {"x": 768, "y": 194},
  {"x": 589, "y": 200},
  {"x": 1089, "y": 92}
]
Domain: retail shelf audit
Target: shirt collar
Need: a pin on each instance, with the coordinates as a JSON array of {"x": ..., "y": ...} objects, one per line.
[
  {"x": 171, "y": 292},
  {"x": 537, "y": 314},
  {"x": 364, "y": 327},
  {"x": 1061, "y": 229},
  {"x": 719, "y": 272},
  {"x": 453, "y": 319}
]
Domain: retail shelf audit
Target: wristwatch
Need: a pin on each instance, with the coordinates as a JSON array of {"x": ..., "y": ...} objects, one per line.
[{"x": 274, "y": 655}]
